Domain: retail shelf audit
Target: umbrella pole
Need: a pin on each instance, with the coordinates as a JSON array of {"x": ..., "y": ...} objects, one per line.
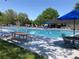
[
  {"x": 74, "y": 28},
  {"x": 74, "y": 31}
]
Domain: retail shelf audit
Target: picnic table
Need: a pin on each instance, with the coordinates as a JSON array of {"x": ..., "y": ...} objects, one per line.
[{"x": 20, "y": 35}]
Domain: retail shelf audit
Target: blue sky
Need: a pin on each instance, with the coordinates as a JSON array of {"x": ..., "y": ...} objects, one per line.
[{"x": 35, "y": 7}]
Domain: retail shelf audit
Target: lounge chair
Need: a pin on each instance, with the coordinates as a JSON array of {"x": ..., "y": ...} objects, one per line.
[
  {"x": 71, "y": 41},
  {"x": 76, "y": 57},
  {"x": 68, "y": 41}
]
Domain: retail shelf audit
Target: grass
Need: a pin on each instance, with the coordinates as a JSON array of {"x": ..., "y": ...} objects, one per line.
[{"x": 11, "y": 51}]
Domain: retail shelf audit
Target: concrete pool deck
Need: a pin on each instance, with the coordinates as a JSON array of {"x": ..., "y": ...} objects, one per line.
[{"x": 51, "y": 48}]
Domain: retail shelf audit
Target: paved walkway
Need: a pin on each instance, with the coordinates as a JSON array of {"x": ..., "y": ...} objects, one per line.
[{"x": 51, "y": 48}]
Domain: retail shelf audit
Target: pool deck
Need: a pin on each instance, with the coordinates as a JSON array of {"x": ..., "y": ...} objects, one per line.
[{"x": 51, "y": 48}]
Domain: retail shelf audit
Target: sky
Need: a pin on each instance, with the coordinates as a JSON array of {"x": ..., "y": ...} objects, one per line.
[{"x": 33, "y": 8}]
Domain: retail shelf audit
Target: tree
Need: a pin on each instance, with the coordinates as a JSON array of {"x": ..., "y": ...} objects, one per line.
[
  {"x": 0, "y": 13},
  {"x": 5, "y": 19},
  {"x": 22, "y": 18},
  {"x": 2, "y": 18},
  {"x": 10, "y": 16},
  {"x": 77, "y": 6},
  {"x": 39, "y": 20},
  {"x": 48, "y": 14}
]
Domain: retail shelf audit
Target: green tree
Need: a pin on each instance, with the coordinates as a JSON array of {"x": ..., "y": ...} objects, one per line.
[
  {"x": 39, "y": 20},
  {"x": 48, "y": 14},
  {"x": 10, "y": 16},
  {"x": 22, "y": 18},
  {"x": 30, "y": 22},
  {"x": 0, "y": 13},
  {"x": 1, "y": 18},
  {"x": 77, "y": 6}
]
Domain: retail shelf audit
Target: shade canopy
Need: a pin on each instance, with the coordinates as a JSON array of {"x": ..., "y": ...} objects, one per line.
[
  {"x": 74, "y": 14},
  {"x": 48, "y": 22},
  {"x": 52, "y": 22}
]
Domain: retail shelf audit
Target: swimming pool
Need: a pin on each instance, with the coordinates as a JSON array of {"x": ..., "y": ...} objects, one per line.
[{"x": 50, "y": 33}]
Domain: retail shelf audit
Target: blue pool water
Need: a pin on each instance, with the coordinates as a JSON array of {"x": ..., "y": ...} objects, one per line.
[{"x": 53, "y": 33}]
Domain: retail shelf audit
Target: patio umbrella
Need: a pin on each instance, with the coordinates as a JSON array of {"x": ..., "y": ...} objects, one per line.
[{"x": 73, "y": 15}]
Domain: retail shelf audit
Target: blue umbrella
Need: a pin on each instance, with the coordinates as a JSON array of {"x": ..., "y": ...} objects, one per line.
[{"x": 73, "y": 15}]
